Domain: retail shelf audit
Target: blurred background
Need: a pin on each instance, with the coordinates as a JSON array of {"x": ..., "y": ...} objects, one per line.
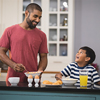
[{"x": 82, "y": 28}]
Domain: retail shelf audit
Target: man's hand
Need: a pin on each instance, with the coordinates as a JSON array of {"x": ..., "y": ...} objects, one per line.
[{"x": 19, "y": 67}]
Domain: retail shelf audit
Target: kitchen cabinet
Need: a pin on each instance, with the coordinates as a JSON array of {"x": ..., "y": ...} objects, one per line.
[
  {"x": 23, "y": 92},
  {"x": 57, "y": 22}
]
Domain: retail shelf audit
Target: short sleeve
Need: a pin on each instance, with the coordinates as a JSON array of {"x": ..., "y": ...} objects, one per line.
[
  {"x": 66, "y": 71},
  {"x": 95, "y": 76},
  {"x": 5, "y": 39},
  {"x": 43, "y": 47}
]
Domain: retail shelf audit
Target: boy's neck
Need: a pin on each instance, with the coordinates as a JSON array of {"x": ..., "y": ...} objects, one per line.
[{"x": 82, "y": 64}]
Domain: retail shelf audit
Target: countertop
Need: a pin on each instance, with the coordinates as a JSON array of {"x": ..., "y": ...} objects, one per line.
[{"x": 95, "y": 89}]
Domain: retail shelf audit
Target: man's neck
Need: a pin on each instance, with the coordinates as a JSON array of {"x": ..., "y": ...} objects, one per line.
[{"x": 24, "y": 25}]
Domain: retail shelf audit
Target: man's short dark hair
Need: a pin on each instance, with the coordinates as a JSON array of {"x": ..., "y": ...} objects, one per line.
[
  {"x": 33, "y": 6},
  {"x": 89, "y": 53}
]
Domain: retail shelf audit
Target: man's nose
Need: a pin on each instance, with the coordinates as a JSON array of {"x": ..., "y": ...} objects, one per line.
[{"x": 37, "y": 20}]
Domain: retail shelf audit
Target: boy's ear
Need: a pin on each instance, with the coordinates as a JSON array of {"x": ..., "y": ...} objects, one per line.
[{"x": 87, "y": 58}]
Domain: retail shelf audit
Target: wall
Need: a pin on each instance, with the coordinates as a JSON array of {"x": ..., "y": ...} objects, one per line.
[
  {"x": 9, "y": 9},
  {"x": 87, "y": 26}
]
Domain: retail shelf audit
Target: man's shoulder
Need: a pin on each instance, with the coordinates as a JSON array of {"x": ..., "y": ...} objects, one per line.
[
  {"x": 40, "y": 31},
  {"x": 12, "y": 27}
]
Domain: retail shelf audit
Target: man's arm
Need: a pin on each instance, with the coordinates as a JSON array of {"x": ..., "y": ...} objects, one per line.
[
  {"x": 43, "y": 62},
  {"x": 5, "y": 59}
]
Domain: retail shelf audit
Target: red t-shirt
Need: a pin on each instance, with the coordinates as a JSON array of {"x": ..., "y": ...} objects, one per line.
[{"x": 24, "y": 46}]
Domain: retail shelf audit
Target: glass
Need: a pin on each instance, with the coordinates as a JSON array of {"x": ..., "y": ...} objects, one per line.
[
  {"x": 0, "y": 71},
  {"x": 63, "y": 5},
  {"x": 64, "y": 20},
  {"x": 53, "y": 20},
  {"x": 63, "y": 50},
  {"x": 63, "y": 35},
  {"x": 52, "y": 49},
  {"x": 25, "y": 3},
  {"x": 83, "y": 77},
  {"x": 52, "y": 34},
  {"x": 53, "y": 5}
]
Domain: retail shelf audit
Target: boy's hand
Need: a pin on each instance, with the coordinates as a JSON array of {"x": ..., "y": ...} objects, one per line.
[
  {"x": 58, "y": 76},
  {"x": 98, "y": 83}
]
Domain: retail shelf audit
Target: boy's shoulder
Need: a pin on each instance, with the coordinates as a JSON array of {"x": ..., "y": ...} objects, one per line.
[
  {"x": 90, "y": 67},
  {"x": 73, "y": 64}
]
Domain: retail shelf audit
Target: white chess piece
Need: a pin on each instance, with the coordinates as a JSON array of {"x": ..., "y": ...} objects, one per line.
[
  {"x": 36, "y": 82},
  {"x": 30, "y": 82}
]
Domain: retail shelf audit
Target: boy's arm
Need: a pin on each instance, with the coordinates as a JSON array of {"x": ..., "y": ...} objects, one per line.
[
  {"x": 98, "y": 83},
  {"x": 58, "y": 76}
]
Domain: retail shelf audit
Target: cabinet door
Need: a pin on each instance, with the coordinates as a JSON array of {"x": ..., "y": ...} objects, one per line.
[{"x": 60, "y": 34}]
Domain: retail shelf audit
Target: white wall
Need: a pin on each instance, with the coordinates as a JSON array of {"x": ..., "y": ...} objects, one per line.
[
  {"x": 9, "y": 13},
  {"x": 87, "y": 26}
]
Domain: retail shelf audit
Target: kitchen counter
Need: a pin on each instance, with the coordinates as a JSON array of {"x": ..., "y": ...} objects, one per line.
[{"x": 22, "y": 91}]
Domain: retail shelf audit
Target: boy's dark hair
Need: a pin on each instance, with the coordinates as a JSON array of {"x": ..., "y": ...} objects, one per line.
[
  {"x": 33, "y": 6},
  {"x": 89, "y": 53}
]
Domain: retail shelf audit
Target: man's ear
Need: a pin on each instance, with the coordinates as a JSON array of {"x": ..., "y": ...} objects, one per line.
[
  {"x": 87, "y": 58},
  {"x": 26, "y": 13}
]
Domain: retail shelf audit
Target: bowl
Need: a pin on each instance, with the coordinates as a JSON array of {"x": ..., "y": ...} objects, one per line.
[
  {"x": 14, "y": 80},
  {"x": 69, "y": 81},
  {"x": 32, "y": 73}
]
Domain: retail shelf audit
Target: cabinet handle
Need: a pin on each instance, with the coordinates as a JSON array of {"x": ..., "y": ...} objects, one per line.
[{"x": 57, "y": 62}]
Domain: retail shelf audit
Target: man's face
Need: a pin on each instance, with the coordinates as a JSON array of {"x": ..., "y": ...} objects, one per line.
[{"x": 33, "y": 18}]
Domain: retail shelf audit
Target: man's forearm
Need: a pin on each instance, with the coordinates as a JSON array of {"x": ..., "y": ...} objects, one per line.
[
  {"x": 5, "y": 59},
  {"x": 43, "y": 63}
]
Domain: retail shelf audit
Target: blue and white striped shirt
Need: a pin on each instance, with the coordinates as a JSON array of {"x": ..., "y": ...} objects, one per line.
[{"x": 72, "y": 70}]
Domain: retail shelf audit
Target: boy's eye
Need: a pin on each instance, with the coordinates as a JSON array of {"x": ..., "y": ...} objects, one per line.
[{"x": 81, "y": 52}]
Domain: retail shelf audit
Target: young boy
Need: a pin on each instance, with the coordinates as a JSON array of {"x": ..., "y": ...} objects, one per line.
[{"x": 84, "y": 58}]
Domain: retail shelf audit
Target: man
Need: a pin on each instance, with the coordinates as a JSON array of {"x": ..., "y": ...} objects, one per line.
[{"x": 24, "y": 41}]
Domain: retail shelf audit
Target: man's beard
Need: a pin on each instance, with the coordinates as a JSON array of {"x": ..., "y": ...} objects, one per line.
[{"x": 29, "y": 22}]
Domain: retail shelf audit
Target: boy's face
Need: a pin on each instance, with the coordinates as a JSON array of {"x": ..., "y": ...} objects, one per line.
[{"x": 81, "y": 57}]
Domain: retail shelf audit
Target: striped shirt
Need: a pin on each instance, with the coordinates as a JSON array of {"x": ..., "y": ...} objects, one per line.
[{"x": 72, "y": 70}]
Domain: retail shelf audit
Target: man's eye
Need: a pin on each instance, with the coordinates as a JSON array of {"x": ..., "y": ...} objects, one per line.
[
  {"x": 35, "y": 16},
  {"x": 39, "y": 17},
  {"x": 81, "y": 52}
]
